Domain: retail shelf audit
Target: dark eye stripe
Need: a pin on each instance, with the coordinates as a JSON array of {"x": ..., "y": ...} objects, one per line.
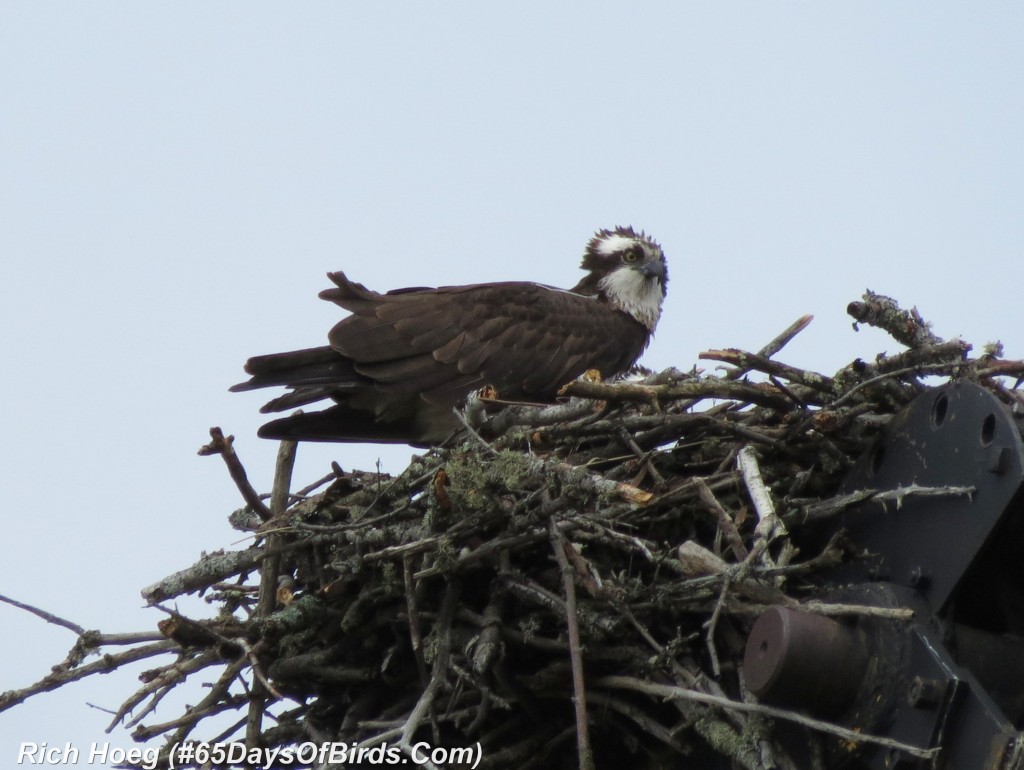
[{"x": 633, "y": 255}]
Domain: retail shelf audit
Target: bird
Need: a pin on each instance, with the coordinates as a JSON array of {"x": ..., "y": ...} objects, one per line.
[{"x": 397, "y": 369}]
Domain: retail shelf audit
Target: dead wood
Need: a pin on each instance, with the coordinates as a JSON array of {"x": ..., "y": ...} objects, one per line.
[{"x": 568, "y": 585}]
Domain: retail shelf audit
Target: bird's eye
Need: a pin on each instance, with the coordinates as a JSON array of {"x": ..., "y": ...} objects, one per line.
[{"x": 630, "y": 257}]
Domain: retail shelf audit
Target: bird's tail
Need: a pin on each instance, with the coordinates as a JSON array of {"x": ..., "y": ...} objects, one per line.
[
  {"x": 339, "y": 423},
  {"x": 299, "y": 368}
]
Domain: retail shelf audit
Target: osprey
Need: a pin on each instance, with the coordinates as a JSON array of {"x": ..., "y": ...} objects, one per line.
[{"x": 397, "y": 367}]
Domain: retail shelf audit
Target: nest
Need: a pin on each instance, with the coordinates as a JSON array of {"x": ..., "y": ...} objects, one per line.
[{"x": 565, "y": 586}]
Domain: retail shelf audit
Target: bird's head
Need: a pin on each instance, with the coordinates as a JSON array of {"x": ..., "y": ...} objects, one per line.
[{"x": 628, "y": 270}]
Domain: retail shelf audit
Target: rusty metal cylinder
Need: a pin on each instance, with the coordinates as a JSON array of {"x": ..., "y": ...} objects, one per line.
[{"x": 800, "y": 660}]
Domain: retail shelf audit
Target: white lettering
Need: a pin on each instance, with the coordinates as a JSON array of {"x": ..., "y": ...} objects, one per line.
[
  {"x": 27, "y": 753},
  {"x": 307, "y": 752},
  {"x": 98, "y": 753},
  {"x": 235, "y": 753},
  {"x": 441, "y": 756},
  {"x": 337, "y": 754},
  {"x": 43, "y": 753},
  {"x": 150, "y": 757},
  {"x": 417, "y": 757}
]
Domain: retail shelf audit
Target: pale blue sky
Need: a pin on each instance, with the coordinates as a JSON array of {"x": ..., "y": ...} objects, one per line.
[{"x": 175, "y": 180}]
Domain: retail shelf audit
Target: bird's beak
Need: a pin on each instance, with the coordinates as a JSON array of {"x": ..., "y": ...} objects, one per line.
[{"x": 653, "y": 269}]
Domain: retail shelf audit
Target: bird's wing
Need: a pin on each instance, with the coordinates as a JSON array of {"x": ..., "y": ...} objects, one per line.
[{"x": 524, "y": 339}]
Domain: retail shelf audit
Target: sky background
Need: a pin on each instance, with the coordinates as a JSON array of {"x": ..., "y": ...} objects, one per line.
[{"x": 176, "y": 179}]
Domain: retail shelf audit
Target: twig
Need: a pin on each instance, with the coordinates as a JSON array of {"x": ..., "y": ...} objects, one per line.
[
  {"x": 536, "y": 416},
  {"x": 950, "y": 354},
  {"x": 767, "y": 351},
  {"x": 306, "y": 490},
  {"x": 270, "y": 569},
  {"x": 787, "y": 334},
  {"x": 904, "y": 326},
  {"x": 712, "y": 624},
  {"x": 49, "y": 617},
  {"x": 747, "y": 463},
  {"x": 746, "y": 361},
  {"x": 708, "y": 387},
  {"x": 415, "y": 636},
  {"x": 105, "y": 665},
  {"x": 224, "y": 446},
  {"x": 861, "y": 610},
  {"x": 159, "y": 683},
  {"x": 1002, "y": 369},
  {"x": 251, "y": 653},
  {"x": 670, "y": 692},
  {"x": 220, "y": 565},
  {"x": 472, "y": 431},
  {"x": 437, "y": 674},
  {"x": 769, "y": 525},
  {"x": 559, "y": 544},
  {"x": 894, "y": 375},
  {"x": 646, "y": 723},
  {"x": 725, "y": 521},
  {"x": 698, "y": 561},
  {"x": 833, "y": 506},
  {"x": 216, "y": 701}
]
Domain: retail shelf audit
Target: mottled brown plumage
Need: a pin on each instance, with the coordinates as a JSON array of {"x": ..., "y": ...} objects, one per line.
[{"x": 402, "y": 361}]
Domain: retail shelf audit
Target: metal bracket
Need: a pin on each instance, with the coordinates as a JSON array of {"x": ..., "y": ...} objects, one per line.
[
  {"x": 954, "y": 677},
  {"x": 959, "y": 435}
]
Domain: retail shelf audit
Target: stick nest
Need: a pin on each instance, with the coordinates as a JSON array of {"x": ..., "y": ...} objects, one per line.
[{"x": 564, "y": 586}]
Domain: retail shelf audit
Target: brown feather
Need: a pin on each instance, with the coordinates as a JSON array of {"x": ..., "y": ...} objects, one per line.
[{"x": 398, "y": 364}]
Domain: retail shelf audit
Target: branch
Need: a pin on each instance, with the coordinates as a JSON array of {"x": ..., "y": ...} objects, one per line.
[
  {"x": 904, "y": 326},
  {"x": 438, "y": 671},
  {"x": 746, "y": 361},
  {"x": 670, "y": 692},
  {"x": 769, "y": 525},
  {"x": 105, "y": 665},
  {"x": 560, "y": 545},
  {"x": 47, "y": 616},
  {"x": 224, "y": 446},
  {"x": 833, "y": 506},
  {"x": 708, "y": 387}
]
